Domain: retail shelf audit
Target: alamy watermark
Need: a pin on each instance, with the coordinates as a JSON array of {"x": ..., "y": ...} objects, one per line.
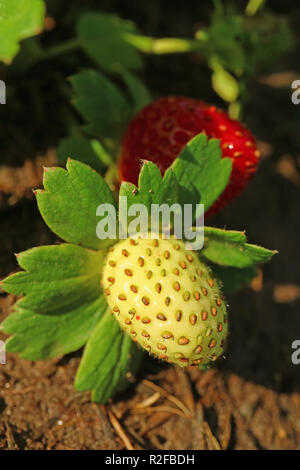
[
  {"x": 296, "y": 354},
  {"x": 137, "y": 220},
  {"x": 2, "y": 353},
  {"x": 2, "y": 92},
  {"x": 296, "y": 94}
]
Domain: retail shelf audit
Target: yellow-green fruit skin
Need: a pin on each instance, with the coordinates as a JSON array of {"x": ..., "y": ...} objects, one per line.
[{"x": 166, "y": 300}]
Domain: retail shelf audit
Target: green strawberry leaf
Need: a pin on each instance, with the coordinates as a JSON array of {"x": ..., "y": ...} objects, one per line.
[
  {"x": 56, "y": 278},
  {"x": 152, "y": 189},
  {"x": 223, "y": 39},
  {"x": 109, "y": 358},
  {"x": 102, "y": 105},
  {"x": 139, "y": 93},
  {"x": 232, "y": 279},
  {"x": 230, "y": 248},
  {"x": 19, "y": 19},
  {"x": 105, "y": 38},
  {"x": 69, "y": 203},
  {"x": 201, "y": 172},
  {"x": 38, "y": 336},
  {"x": 84, "y": 150}
]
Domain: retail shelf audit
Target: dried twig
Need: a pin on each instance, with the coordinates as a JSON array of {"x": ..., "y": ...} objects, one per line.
[
  {"x": 149, "y": 401},
  {"x": 212, "y": 441},
  {"x": 154, "y": 421},
  {"x": 11, "y": 443},
  {"x": 157, "y": 409},
  {"x": 28, "y": 389},
  {"x": 169, "y": 396},
  {"x": 188, "y": 395},
  {"x": 119, "y": 430}
]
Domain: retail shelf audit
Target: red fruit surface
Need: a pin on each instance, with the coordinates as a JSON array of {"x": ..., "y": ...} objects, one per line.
[{"x": 160, "y": 131}]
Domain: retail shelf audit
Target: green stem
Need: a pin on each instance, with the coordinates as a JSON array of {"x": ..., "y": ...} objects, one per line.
[
  {"x": 150, "y": 45},
  {"x": 62, "y": 48},
  {"x": 253, "y": 6},
  {"x": 145, "y": 44}
]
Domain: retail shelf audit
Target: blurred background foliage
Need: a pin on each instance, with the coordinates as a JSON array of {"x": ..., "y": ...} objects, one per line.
[{"x": 76, "y": 76}]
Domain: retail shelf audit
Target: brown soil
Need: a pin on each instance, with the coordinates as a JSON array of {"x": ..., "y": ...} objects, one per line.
[{"x": 18, "y": 183}]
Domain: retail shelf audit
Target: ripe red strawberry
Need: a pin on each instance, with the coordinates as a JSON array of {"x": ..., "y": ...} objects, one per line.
[{"x": 161, "y": 130}]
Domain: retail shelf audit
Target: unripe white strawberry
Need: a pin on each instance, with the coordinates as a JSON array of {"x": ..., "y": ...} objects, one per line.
[{"x": 166, "y": 300}]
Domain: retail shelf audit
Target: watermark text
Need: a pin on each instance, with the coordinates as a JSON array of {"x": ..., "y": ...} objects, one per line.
[
  {"x": 168, "y": 220},
  {"x": 2, "y": 92},
  {"x": 2, "y": 353}
]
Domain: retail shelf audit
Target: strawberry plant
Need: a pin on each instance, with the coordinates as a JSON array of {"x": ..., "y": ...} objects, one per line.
[
  {"x": 104, "y": 56},
  {"x": 123, "y": 295},
  {"x": 167, "y": 299},
  {"x": 234, "y": 46}
]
